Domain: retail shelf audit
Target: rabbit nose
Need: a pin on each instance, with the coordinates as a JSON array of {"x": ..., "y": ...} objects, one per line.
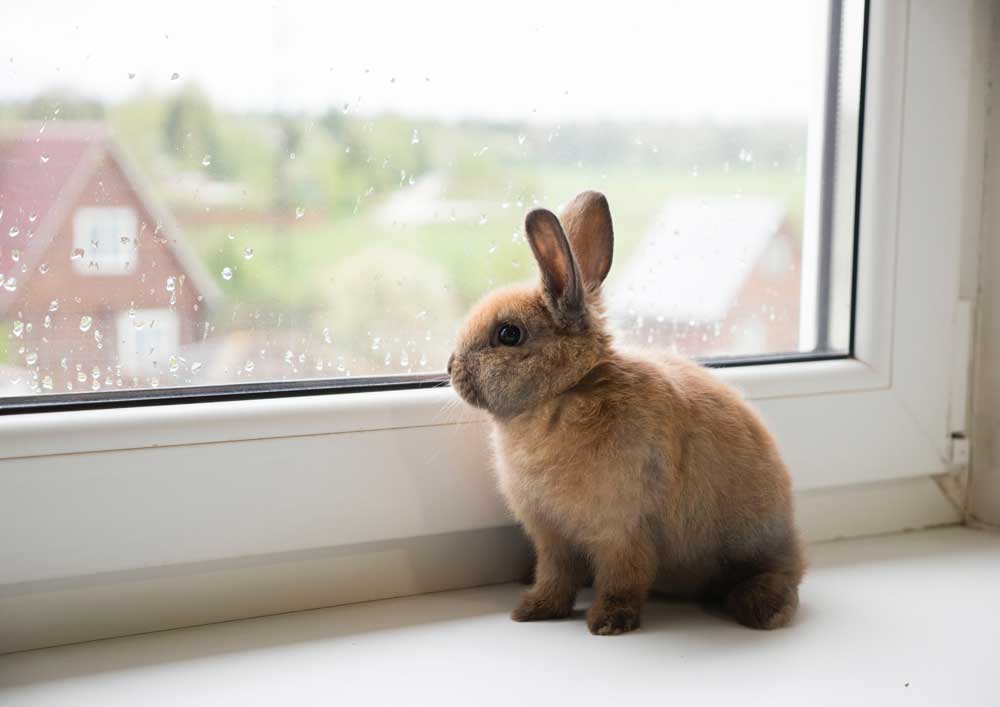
[{"x": 451, "y": 360}]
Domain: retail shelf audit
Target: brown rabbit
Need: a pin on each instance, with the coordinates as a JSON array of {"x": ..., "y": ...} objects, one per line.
[{"x": 626, "y": 470}]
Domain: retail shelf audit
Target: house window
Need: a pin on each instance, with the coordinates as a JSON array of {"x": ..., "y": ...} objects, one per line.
[
  {"x": 104, "y": 240},
  {"x": 147, "y": 340}
]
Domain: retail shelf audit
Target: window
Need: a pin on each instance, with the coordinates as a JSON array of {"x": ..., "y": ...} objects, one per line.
[
  {"x": 323, "y": 203},
  {"x": 104, "y": 240},
  {"x": 147, "y": 340}
]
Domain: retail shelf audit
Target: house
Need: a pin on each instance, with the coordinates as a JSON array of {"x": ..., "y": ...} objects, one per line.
[
  {"x": 98, "y": 285},
  {"x": 714, "y": 276}
]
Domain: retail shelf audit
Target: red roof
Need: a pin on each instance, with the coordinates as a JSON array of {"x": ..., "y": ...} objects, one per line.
[{"x": 35, "y": 166}]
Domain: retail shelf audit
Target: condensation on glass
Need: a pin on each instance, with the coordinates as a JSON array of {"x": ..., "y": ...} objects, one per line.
[{"x": 197, "y": 195}]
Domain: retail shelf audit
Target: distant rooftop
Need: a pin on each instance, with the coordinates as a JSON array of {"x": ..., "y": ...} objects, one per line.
[{"x": 695, "y": 259}]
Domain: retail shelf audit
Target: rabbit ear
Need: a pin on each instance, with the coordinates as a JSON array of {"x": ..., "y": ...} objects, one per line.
[
  {"x": 560, "y": 274},
  {"x": 587, "y": 219}
]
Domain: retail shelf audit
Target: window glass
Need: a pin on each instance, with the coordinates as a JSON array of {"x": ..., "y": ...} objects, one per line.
[{"x": 216, "y": 193}]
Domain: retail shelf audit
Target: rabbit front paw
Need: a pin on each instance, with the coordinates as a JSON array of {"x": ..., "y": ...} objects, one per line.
[
  {"x": 541, "y": 607},
  {"x": 610, "y": 617}
]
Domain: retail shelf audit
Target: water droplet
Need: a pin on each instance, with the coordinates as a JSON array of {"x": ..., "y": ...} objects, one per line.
[
  {"x": 481, "y": 151},
  {"x": 482, "y": 220},
  {"x": 422, "y": 314},
  {"x": 423, "y": 360},
  {"x": 347, "y": 150},
  {"x": 327, "y": 337},
  {"x": 415, "y": 138},
  {"x": 11, "y": 284},
  {"x": 493, "y": 247},
  {"x": 32, "y": 217},
  {"x": 376, "y": 343},
  {"x": 299, "y": 212},
  {"x": 47, "y": 322},
  {"x": 171, "y": 283},
  {"x": 54, "y": 305},
  {"x": 98, "y": 337},
  {"x": 404, "y": 360},
  {"x": 196, "y": 366},
  {"x": 131, "y": 75},
  {"x": 248, "y": 366},
  {"x": 174, "y": 76},
  {"x": 521, "y": 138},
  {"x": 77, "y": 254},
  {"x": 32, "y": 358},
  {"x": 47, "y": 382},
  {"x": 206, "y": 160},
  {"x": 388, "y": 359},
  {"x": 14, "y": 232},
  {"x": 44, "y": 158},
  {"x": 247, "y": 253},
  {"x": 85, "y": 322},
  {"x": 18, "y": 328},
  {"x": 227, "y": 273},
  {"x": 15, "y": 255}
]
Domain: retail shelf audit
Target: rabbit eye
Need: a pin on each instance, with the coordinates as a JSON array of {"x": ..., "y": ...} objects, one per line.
[{"x": 509, "y": 335}]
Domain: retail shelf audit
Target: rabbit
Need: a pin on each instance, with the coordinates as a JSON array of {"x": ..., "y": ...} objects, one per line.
[{"x": 634, "y": 473}]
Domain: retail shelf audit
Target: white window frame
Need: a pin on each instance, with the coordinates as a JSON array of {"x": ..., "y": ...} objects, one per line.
[
  {"x": 110, "y": 256},
  {"x": 119, "y": 490}
]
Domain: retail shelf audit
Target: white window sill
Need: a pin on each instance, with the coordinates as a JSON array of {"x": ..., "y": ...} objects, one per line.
[{"x": 907, "y": 618}]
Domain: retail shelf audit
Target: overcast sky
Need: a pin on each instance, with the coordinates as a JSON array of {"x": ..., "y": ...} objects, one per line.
[{"x": 532, "y": 60}]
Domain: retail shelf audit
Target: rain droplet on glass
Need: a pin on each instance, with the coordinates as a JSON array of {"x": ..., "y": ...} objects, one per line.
[
  {"x": 174, "y": 76},
  {"x": 299, "y": 212},
  {"x": 85, "y": 322},
  {"x": 247, "y": 253},
  {"x": 227, "y": 273},
  {"x": 206, "y": 160}
]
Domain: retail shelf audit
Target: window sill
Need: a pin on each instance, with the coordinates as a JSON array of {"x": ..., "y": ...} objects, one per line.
[{"x": 871, "y": 630}]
